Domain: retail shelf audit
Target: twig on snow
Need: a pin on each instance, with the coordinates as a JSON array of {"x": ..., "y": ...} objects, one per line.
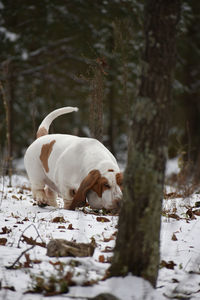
[
  {"x": 18, "y": 258},
  {"x": 24, "y": 252},
  {"x": 38, "y": 235}
]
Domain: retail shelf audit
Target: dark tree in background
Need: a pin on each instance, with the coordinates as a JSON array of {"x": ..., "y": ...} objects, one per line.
[
  {"x": 137, "y": 246},
  {"x": 185, "y": 125},
  {"x": 50, "y": 47}
]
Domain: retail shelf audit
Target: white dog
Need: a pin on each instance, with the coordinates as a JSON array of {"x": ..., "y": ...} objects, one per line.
[{"x": 73, "y": 167}]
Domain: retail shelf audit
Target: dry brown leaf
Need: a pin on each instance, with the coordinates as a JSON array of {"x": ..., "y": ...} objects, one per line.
[
  {"x": 102, "y": 219},
  {"x": 70, "y": 227},
  {"x": 169, "y": 265},
  {"x": 106, "y": 240},
  {"x": 3, "y": 241},
  {"x": 27, "y": 263},
  {"x": 5, "y": 230},
  {"x": 101, "y": 258},
  {"x": 190, "y": 214},
  {"x": 196, "y": 212},
  {"x": 107, "y": 249},
  {"x": 31, "y": 241},
  {"x": 58, "y": 220},
  {"x": 174, "y": 238},
  {"x": 172, "y": 195},
  {"x": 174, "y": 216}
]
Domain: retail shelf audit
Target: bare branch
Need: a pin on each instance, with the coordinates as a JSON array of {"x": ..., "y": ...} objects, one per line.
[
  {"x": 25, "y": 251},
  {"x": 18, "y": 258}
]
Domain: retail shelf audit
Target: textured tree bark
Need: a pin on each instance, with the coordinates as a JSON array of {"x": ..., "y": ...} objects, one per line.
[
  {"x": 137, "y": 245},
  {"x": 96, "y": 105}
]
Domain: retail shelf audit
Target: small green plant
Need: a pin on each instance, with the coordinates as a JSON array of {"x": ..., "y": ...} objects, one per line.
[
  {"x": 52, "y": 285},
  {"x": 56, "y": 283}
]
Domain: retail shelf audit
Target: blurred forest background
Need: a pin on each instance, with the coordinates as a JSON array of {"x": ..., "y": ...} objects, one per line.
[{"x": 88, "y": 54}]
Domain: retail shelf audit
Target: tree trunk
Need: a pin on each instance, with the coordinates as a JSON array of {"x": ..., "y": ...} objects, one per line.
[
  {"x": 96, "y": 105},
  {"x": 137, "y": 245},
  {"x": 7, "y": 92}
]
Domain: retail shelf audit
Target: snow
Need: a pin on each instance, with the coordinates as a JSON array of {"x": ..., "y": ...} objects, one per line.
[
  {"x": 18, "y": 216},
  {"x": 11, "y": 36},
  {"x": 172, "y": 166}
]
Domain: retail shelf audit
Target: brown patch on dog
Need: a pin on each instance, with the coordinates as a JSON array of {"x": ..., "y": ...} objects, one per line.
[
  {"x": 87, "y": 184},
  {"x": 119, "y": 179},
  {"x": 41, "y": 131},
  {"x": 100, "y": 186},
  {"x": 110, "y": 170},
  {"x": 45, "y": 153}
]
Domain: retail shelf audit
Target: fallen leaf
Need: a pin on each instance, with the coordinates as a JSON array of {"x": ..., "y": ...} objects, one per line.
[
  {"x": 90, "y": 282},
  {"x": 57, "y": 263},
  {"x": 174, "y": 238},
  {"x": 102, "y": 219},
  {"x": 190, "y": 213},
  {"x": 31, "y": 241},
  {"x": 169, "y": 265},
  {"x": 172, "y": 195},
  {"x": 107, "y": 249},
  {"x": 111, "y": 238},
  {"x": 174, "y": 280},
  {"x": 11, "y": 288},
  {"x": 58, "y": 220},
  {"x": 36, "y": 261},
  {"x": 15, "y": 197},
  {"x": 19, "y": 222},
  {"x": 101, "y": 258},
  {"x": 5, "y": 230},
  {"x": 173, "y": 216},
  {"x": 70, "y": 227},
  {"x": 196, "y": 212},
  {"x": 3, "y": 241},
  {"x": 61, "y": 227},
  {"x": 27, "y": 263},
  {"x": 106, "y": 240}
]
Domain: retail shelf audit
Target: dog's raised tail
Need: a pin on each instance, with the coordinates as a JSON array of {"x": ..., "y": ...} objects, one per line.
[{"x": 44, "y": 126}]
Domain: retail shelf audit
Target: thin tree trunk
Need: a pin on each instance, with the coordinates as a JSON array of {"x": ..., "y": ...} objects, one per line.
[
  {"x": 96, "y": 106},
  {"x": 7, "y": 96},
  {"x": 137, "y": 245}
]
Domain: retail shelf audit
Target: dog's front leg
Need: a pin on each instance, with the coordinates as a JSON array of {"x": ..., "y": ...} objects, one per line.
[
  {"x": 40, "y": 197},
  {"x": 51, "y": 197}
]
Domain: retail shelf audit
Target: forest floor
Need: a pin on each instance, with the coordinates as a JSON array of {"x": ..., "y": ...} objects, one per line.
[{"x": 27, "y": 272}]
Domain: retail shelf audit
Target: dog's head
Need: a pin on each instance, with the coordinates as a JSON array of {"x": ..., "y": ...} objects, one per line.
[{"x": 101, "y": 190}]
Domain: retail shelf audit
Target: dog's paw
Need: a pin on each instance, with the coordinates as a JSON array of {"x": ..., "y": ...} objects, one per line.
[
  {"x": 40, "y": 198},
  {"x": 41, "y": 204}
]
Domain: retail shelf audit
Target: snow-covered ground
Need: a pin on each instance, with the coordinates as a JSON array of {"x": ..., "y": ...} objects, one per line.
[{"x": 22, "y": 222}]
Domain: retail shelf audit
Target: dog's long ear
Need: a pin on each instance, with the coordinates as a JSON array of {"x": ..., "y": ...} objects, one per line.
[{"x": 87, "y": 183}]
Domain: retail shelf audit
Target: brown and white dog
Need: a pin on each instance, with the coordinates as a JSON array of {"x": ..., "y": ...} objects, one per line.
[{"x": 73, "y": 167}]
